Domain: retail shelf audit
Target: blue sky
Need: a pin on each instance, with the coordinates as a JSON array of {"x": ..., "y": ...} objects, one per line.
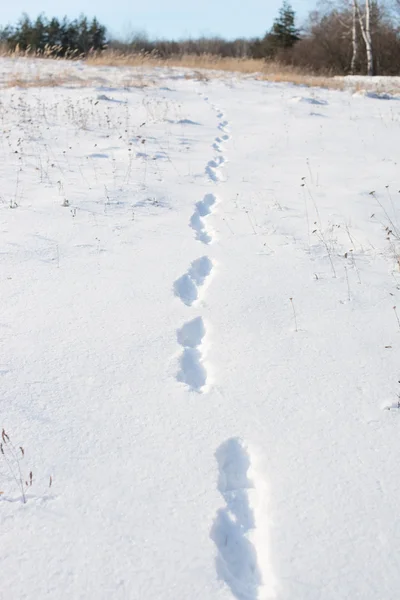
[{"x": 164, "y": 18}]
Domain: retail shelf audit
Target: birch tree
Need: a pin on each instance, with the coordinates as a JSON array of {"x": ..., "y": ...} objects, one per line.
[
  {"x": 354, "y": 39},
  {"x": 365, "y": 26}
]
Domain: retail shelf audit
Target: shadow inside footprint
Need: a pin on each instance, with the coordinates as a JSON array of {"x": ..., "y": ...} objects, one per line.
[
  {"x": 234, "y": 463},
  {"x": 192, "y": 371},
  {"x": 200, "y": 269},
  {"x": 191, "y": 333},
  {"x": 185, "y": 289}
]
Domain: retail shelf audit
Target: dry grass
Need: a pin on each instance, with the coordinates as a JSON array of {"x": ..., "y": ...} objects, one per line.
[
  {"x": 188, "y": 61},
  {"x": 207, "y": 66},
  {"x": 36, "y": 81},
  {"x": 48, "y": 52},
  {"x": 299, "y": 78},
  {"x": 321, "y": 81},
  {"x": 68, "y": 80}
]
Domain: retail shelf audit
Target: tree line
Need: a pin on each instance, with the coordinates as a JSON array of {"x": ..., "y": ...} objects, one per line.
[
  {"x": 348, "y": 36},
  {"x": 54, "y": 37}
]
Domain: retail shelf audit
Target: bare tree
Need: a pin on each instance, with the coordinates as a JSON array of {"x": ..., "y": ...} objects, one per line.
[
  {"x": 365, "y": 26},
  {"x": 354, "y": 39}
]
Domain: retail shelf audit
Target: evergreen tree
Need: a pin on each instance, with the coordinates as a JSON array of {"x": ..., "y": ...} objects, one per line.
[
  {"x": 284, "y": 33},
  {"x": 83, "y": 42},
  {"x": 97, "y": 35},
  {"x": 53, "y": 33},
  {"x": 284, "y": 28},
  {"x": 38, "y": 34},
  {"x": 22, "y": 35}
]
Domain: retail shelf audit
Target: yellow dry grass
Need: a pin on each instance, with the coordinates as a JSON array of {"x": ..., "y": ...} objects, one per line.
[
  {"x": 36, "y": 81},
  {"x": 48, "y": 52},
  {"x": 189, "y": 61},
  {"x": 208, "y": 66},
  {"x": 304, "y": 79}
]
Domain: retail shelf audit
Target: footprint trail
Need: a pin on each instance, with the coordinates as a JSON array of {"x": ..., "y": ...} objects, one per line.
[{"x": 189, "y": 287}]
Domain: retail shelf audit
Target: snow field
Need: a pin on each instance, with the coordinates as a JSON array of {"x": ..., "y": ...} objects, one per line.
[{"x": 199, "y": 339}]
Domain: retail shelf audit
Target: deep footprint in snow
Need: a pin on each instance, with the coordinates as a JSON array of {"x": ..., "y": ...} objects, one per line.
[
  {"x": 220, "y": 140},
  {"x": 237, "y": 559},
  {"x": 197, "y": 221},
  {"x": 223, "y": 125},
  {"x": 216, "y": 147},
  {"x": 216, "y": 162},
  {"x": 192, "y": 371},
  {"x": 212, "y": 168},
  {"x": 187, "y": 287}
]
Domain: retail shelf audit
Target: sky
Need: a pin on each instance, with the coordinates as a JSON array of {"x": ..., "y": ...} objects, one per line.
[{"x": 164, "y": 18}]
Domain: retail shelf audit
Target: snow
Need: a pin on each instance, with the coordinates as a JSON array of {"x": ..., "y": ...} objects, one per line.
[
  {"x": 376, "y": 95},
  {"x": 378, "y": 86},
  {"x": 199, "y": 341}
]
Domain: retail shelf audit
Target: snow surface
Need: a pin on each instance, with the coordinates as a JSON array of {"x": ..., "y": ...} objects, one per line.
[
  {"x": 379, "y": 84},
  {"x": 198, "y": 339}
]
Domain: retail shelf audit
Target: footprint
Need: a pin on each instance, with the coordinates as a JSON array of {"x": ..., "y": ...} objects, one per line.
[
  {"x": 187, "y": 286},
  {"x": 220, "y": 139},
  {"x": 192, "y": 333},
  {"x": 223, "y": 125},
  {"x": 186, "y": 289},
  {"x": 212, "y": 168},
  {"x": 197, "y": 220},
  {"x": 234, "y": 463},
  {"x": 192, "y": 371},
  {"x": 218, "y": 161},
  {"x": 216, "y": 147},
  {"x": 213, "y": 174},
  {"x": 234, "y": 530}
]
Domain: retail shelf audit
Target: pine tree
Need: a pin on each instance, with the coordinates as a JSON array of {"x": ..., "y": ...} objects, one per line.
[
  {"x": 38, "y": 35},
  {"x": 53, "y": 33},
  {"x": 22, "y": 36},
  {"x": 97, "y": 35},
  {"x": 284, "y": 33}
]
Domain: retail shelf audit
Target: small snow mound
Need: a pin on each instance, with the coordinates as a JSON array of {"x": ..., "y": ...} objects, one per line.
[
  {"x": 187, "y": 122},
  {"x": 305, "y": 100},
  {"x": 375, "y": 95},
  {"x": 98, "y": 155},
  {"x": 108, "y": 99},
  {"x": 392, "y": 406}
]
